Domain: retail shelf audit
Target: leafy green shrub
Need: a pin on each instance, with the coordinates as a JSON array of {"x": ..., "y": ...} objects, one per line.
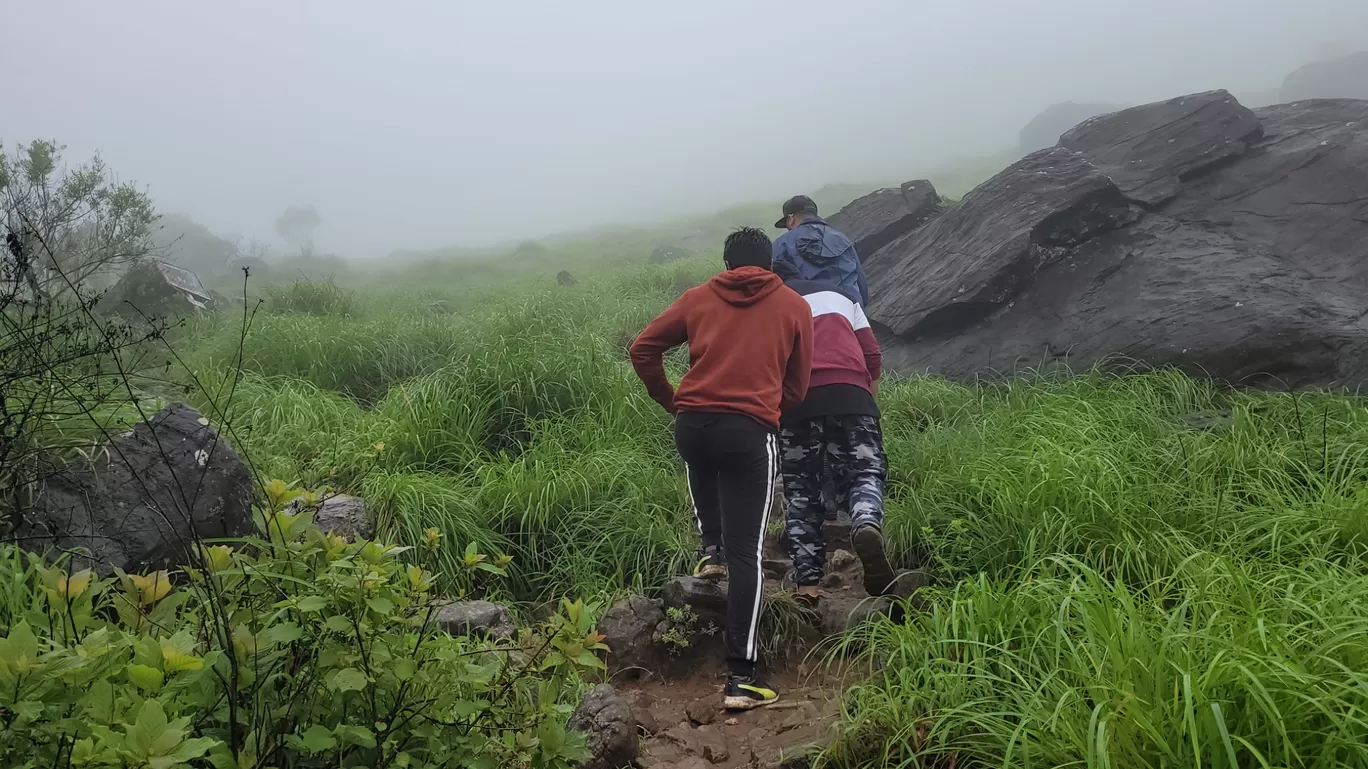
[{"x": 294, "y": 650}]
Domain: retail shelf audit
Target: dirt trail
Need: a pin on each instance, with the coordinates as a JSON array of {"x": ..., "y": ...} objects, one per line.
[
  {"x": 689, "y": 730},
  {"x": 681, "y": 721}
]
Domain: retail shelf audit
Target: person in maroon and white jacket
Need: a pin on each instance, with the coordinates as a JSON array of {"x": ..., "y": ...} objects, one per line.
[{"x": 838, "y": 419}]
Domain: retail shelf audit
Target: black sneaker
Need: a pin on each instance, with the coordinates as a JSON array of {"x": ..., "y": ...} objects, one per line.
[
  {"x": 878, "y": 572},
  {"x": 746, "y": 693},
  {"x": 711, "y": 564}
]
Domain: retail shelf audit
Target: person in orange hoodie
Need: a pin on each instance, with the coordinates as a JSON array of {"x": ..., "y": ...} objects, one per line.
[{"x": 750, "y": 357}]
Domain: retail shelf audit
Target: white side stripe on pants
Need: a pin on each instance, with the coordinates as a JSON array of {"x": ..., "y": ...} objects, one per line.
[
  {"x": 688, "y": 481},
  {"x": 771, "y": 449}
]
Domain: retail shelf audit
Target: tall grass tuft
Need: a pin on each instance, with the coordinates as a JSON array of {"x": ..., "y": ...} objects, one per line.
[
  {"x": 1221, "y": 663},
  {"x": 310, "y": 297}
]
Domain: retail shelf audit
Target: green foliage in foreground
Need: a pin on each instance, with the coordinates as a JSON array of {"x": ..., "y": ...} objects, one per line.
[
  {"x": 295, "y": 650},
  {"x": 1142, "y": 570}
]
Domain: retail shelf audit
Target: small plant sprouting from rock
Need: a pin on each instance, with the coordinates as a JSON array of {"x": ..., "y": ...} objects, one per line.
[{"x": 683, "y": 628}]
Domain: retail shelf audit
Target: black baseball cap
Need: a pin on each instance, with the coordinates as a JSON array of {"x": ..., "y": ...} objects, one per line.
[{"x": 798, "y": 204}]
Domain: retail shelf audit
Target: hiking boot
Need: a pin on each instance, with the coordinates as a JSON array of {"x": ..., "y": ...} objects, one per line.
[
  {"x": 790, "y": 580},
  {"x": 711, "y": 564},
  {"x": 878, "y": 572},
  {"x": 746, "y": 693}
]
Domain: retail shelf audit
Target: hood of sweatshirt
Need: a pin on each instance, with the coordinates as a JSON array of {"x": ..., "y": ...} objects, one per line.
[
  {"x": 816, "y": 242},
  {"x": 744, "y": 286}
]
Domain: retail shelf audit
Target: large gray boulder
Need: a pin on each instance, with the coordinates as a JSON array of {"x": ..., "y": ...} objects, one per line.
[
  {"x": 1150, "y": 152},
  {"x": 966, "y": 263},
  {"x": 1190, "y": 232},
  {"x": 1344, "y": 77},
  {"x": 144, "y": 498},
  {"x": 155, "y": 291},
  {"x": 880, "y": 217}
]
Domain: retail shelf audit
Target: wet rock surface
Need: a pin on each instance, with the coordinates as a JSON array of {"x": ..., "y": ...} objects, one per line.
[
  {"x": 1192, "y": 232},
  {"x": 679, "y": 713},
  {"x": 880, "y": 217}
]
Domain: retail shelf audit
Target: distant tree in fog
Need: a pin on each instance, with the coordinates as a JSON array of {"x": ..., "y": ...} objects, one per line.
[{"x": 296, "y": 225}]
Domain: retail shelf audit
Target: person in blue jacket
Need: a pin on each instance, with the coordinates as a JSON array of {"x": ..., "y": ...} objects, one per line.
[{"x": 812, "y": 250}]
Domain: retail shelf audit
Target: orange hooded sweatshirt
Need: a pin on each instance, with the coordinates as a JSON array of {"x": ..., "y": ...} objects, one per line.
[{"x": 750, "y": 347}]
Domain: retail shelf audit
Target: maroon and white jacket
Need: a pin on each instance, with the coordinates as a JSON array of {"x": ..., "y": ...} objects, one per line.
[{"x": 844, "y": 350}]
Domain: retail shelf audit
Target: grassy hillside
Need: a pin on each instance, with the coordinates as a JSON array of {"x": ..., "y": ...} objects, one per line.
[
  {"x": 617, "y": 246},
  {"x": 1130, "y": 571},
  {"x": 1140, "y": 571}
]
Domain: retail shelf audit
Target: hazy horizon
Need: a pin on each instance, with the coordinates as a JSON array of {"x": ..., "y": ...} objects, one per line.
[{"x": 426, "y": 124}]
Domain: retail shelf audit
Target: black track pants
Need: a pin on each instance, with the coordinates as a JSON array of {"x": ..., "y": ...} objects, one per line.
[{"x": 732, "y": 462}]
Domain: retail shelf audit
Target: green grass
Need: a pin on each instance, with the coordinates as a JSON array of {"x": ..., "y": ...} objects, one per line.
[
  {"x": 515, "y": 422},
  {"x": 1141, "y": 570},
  {"x": 1222, "y": 663},
  {"x": 1121, "y": 588}
]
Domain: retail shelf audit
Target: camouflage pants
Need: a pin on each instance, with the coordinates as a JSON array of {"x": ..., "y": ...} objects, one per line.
[
  {"x": 849, "y": 449},
  {"x": 833, "y": 502}
]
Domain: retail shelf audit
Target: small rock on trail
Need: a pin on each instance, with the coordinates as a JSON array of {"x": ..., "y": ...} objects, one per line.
[
  {"x": 610, "y": 728},
  {"x": 476, "y": 618},
  {"x": 629, "y": 628},
  {"x": 681, "y": 717},
  {"x": 341, "y": 515}
]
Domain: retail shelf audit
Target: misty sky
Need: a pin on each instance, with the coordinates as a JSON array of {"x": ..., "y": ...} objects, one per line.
[{"x": 423, "y": 123}]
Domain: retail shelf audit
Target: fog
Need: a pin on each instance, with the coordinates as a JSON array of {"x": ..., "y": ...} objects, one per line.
[{"x": 424, "y": 123}]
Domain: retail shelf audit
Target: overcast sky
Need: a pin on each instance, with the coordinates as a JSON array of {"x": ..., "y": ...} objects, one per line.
[{"x": 420, "y": 123}]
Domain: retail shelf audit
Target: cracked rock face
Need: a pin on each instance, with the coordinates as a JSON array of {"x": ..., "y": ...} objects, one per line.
[{"x": 1193, "y": 232}]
